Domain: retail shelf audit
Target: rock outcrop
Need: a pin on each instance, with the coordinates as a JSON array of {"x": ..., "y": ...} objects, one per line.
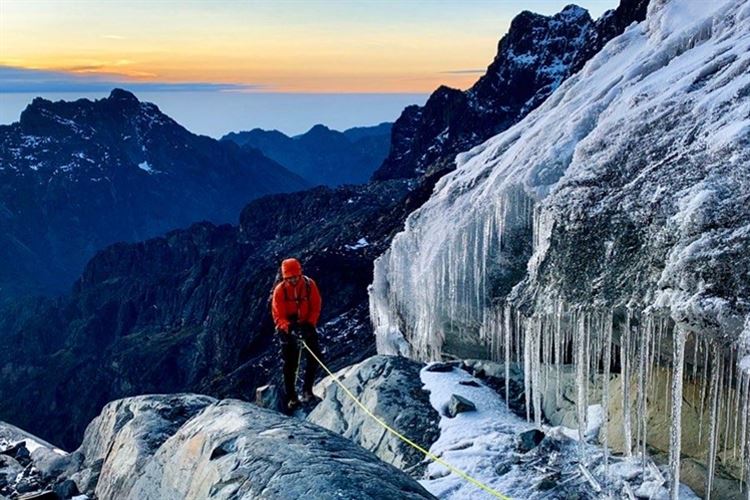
[
  {"x": 120, "y": 442},
  {"x": 190, "y": 446},
  {"x": 391, "y": 388},
  {"x": 77, "y": 176},
  {"x": 536, "y": 55},
  {"x": 22, "y": 457}
]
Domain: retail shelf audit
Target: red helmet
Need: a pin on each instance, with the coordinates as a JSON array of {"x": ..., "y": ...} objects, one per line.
[{"x": 290, "y": 268}]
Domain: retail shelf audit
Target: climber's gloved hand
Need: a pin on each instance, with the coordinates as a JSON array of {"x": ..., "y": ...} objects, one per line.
[
  {"x": 307, "y": 330},
  {"x": 294, "y": 329}
]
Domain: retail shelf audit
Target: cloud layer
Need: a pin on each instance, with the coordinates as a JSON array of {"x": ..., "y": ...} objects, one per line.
[{"x": 15, "y": 79}]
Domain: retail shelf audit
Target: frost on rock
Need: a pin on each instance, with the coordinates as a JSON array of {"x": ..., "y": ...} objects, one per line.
[{"x": 611, "y": 218}]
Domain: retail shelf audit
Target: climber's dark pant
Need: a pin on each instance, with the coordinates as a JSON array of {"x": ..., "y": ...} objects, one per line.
[{"x": 290, "y": 356}]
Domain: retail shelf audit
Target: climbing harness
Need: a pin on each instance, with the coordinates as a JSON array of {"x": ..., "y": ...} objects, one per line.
[{"x": 403, "y": 438}]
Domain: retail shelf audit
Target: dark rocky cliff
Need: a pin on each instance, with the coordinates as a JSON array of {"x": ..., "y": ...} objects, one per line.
[{"x": 77, "y": 176}]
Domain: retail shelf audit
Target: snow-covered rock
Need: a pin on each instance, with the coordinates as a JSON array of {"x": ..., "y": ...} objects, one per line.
[
  {"x": 390, "y": 387},
  {"x": 21, "y": 457},
  {"x": 485, "y": 444}
]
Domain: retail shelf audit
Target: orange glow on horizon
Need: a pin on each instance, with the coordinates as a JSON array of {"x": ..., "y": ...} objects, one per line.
[
  {"x": 284, "y": 46},
  {"x": 262, "y": 80}
]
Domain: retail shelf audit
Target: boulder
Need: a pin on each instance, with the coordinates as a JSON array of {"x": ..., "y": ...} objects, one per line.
[
  {"x": 9, "y": 465},
  {"x": 529, "y": 440},
  {"x": 459, "y": 404},
  {"x": 236, "y": 450},
  {"x": 389, "y": 386},
  {"x": 122, "y": 439},
  {"x": 440, "y": 367},
  {"x": 10, "y": 469},
  {"x": 22, "y": 458},
  {"x": 66, "y": 489},
  {"x": 52, "y": 464},
  {"x": 192, "y": 446},
  {"x": 19, "y": 452}
]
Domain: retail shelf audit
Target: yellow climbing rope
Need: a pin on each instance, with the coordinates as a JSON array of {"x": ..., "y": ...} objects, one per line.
[{"x": 403, "y": 438}]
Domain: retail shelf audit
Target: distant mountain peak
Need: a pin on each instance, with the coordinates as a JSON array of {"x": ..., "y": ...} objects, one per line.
[
  {"x": 533, "y": 58},
  {"x": 119, "y": 94},
  {"x": 318, "y": 127},
  {"x": 573, "y": 10}
]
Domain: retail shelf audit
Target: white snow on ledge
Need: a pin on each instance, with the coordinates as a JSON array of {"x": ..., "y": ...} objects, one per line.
[
  {"x": 144, "y": 165},
  {"x": 482, "y": 444}
]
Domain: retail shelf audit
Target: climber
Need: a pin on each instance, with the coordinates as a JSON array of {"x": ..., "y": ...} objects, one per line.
[{"x": 295, "y": 306}]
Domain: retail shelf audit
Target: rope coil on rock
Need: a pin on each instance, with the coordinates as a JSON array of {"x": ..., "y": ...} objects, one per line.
[{"x": 403, "y": 438}]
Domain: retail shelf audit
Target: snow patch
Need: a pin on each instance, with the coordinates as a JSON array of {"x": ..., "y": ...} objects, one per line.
[
  {"x": 361, "y": 243},
  {"x": 144, "y": 165},
  {"x": 482, "y": 444}
]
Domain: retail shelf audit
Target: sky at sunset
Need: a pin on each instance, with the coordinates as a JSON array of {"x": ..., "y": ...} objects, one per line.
[{"x": 403, "y": 48}]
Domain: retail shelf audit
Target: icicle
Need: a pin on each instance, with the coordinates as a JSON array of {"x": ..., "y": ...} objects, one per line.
[
  {"x": 559, "y": 356},
  {"x": 625, "y": 363},
  {"x": 536, "y": 373},
  {"x": 704, "y": 388},
  {"x": 715, "y": 377},
  {"x": 641, "y": 396},
  {"x": 728, "y": 401},
  {"x": 695, "y": 360},
  {"x": 667, "y": 381},
  {"x": 678, "y": 364},
  {"x": 580, "y": 345},
  {"x": 508, "y": 334},
  {"x": 606, "y": 364},
  {"x": 527, "y": 373}
]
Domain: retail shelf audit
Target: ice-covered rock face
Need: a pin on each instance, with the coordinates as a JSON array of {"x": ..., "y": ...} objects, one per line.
[
  {"x": 614, "y": 214},
  {"x": 627, "y": 187}
]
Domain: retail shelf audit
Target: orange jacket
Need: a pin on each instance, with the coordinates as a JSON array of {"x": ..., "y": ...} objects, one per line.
[{"x": 302, "y": 301}]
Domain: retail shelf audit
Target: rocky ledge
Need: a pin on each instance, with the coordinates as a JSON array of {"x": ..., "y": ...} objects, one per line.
[
  {"x": 390, "y": 387},
  {"x": 192, "y": 446}
]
